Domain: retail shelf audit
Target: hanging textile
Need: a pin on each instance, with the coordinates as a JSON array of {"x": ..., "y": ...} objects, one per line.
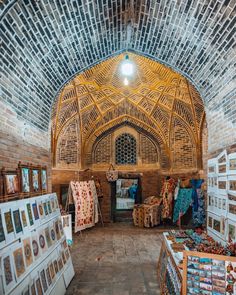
[
  {"x": 199, "y": 216},
  {"x": 167, "y": 193},
  {"x": 177, "y": 189},
  {"x": 196, "y": 184},
  {"x": 84, "y": 205},
  {"x": 183, "y": 202},
  {"x": 94, "y": 193}
]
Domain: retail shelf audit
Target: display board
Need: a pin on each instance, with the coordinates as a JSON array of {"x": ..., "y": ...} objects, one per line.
[
  {"x": 35, "y": 257},
  {"x": 221, "y": 209},
  {"x": 208, "y": 274}
]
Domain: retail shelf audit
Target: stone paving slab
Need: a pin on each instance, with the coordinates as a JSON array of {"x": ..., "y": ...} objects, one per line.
[{"x": 118, "y": 259}]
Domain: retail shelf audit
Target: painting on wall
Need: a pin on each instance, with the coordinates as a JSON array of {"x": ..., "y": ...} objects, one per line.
[
  {"x": 44, "y": 179},
  {"x": 35, "y": 180},
  {"x": 25, "y": 178},
  {"x": 11, "y": 182}
]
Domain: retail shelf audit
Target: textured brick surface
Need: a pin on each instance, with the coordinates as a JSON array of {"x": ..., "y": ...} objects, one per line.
[
  {"x": 45, "y": 43},
  {"x": 21, "y": 142}
]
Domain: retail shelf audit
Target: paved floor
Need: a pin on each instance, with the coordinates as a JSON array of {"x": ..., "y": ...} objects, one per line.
[{"x": 118, "y": 259}]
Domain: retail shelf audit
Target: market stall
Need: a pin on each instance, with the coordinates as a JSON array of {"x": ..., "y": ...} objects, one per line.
[{"x": 175, "y": 268}]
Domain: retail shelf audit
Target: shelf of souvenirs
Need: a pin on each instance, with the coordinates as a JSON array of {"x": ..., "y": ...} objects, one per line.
[{"x": 178, "y": 241}]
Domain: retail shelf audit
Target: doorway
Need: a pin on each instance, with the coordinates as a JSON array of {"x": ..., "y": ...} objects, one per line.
[{"x": 125, "y": 192}]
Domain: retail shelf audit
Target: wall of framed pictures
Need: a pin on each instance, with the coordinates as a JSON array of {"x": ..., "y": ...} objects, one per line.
[
  {"x": 25, "y": 181},
  {"x": 221, "y": 209},
  {"x": 208, "y": 274},
  {"x": 35, "y": 258}
]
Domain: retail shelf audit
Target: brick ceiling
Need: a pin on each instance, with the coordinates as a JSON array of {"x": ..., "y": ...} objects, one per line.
[
  {"x": 45, "y": 43},
  {"x": 156, "y": 99}
]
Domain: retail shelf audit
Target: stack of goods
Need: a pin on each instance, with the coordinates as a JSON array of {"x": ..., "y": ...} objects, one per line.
[
  {"x": 199, "y": 241},
  {"x": 147, "y": 214},
  {"x": 209, "y": 275},
  {"x": 86, "y": 204},
  {"x": 138, "y": 215},
  {"x": 34, "y": 251}
]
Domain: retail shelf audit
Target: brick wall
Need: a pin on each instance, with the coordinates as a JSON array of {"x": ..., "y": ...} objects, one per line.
[
  {"x": 40, "y": 51},
  {"x": 221, "y": 119},
  {"x": 21, "y": 142},
  {"x": 151, "y": 182}
]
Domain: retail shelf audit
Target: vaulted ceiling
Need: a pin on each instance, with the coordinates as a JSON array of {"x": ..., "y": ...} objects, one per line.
[
  {"x": 45, "y": 43},
  {"x": 156, "y": 100}
]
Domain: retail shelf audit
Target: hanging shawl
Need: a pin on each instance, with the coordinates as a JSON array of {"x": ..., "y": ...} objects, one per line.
[
  {"x": 183, "y": 202},
  {"x": 196, "y": 184}
]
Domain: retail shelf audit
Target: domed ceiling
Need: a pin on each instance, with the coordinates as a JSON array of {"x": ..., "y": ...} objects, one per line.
[
  {"x": 46, "y": 43},
  {"x": 157, "y": 100}
]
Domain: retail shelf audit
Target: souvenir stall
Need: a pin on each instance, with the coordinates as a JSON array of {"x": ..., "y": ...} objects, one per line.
[
  {"x": 196, "y": 261},
  {"x": 34, "y": 251},
  {"x": 34, "y": 254}
]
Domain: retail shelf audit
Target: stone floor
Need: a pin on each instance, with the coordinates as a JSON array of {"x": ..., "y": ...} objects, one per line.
[{"x": 118, "y": 259}]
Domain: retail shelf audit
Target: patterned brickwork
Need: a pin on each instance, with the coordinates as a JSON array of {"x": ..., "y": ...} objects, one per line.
[
  {"x": 155, "y": 98},
  {"x": 45, "y": 43},
  {"x": 103, "y": 150},
  {"x": 184, "y": 149},
  {"x": 68, "y": 146},
  {"x": 148, "y": 150}
]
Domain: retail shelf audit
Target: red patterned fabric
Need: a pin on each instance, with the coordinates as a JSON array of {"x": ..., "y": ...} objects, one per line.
[{"x": 84, "y": 205}]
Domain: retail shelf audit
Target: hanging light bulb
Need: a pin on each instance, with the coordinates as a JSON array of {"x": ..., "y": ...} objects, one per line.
[
  {"x": 127, "y": 67},
  {"x": 126, "y": 81}
]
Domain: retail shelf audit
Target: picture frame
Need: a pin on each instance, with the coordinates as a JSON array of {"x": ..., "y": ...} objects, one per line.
[
  {"x": 44, "y": 179},
  {"x": 11, "y": 184},
  {"x": 35, "y": 180},
  {"x": 25, "y": 179}
]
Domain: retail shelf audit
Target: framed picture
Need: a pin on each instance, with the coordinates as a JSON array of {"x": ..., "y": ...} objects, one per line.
[
  {"x": 24, "y": 178},
  {"x": 44, "y": 181},
  {"x": 35, "y": 180},
  {"x": 11, "y": 184}
]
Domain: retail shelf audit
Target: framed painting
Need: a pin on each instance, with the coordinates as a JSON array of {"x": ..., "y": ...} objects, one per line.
[
  {"x": 35, "y": 180},
  {"x": 24, "y": 178},
  {"x": 44, "y": 181},
  {"x": 11, "y": 184}
]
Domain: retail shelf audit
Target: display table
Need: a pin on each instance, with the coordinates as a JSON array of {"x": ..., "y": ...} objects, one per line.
[{"x": 181, "y": 271}]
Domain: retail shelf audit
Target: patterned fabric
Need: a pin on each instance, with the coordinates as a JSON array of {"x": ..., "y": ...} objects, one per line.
[
  {"x": 95, "y": 196},
  {"x": 184, "y": 200},
  {"x": 199, "y": 216},
  {"x": 196, "y": 184},
  {"x": 168, "y": 186},
  {"x": 84, "y": 205},
  {"x": 167, "y": 193}
]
